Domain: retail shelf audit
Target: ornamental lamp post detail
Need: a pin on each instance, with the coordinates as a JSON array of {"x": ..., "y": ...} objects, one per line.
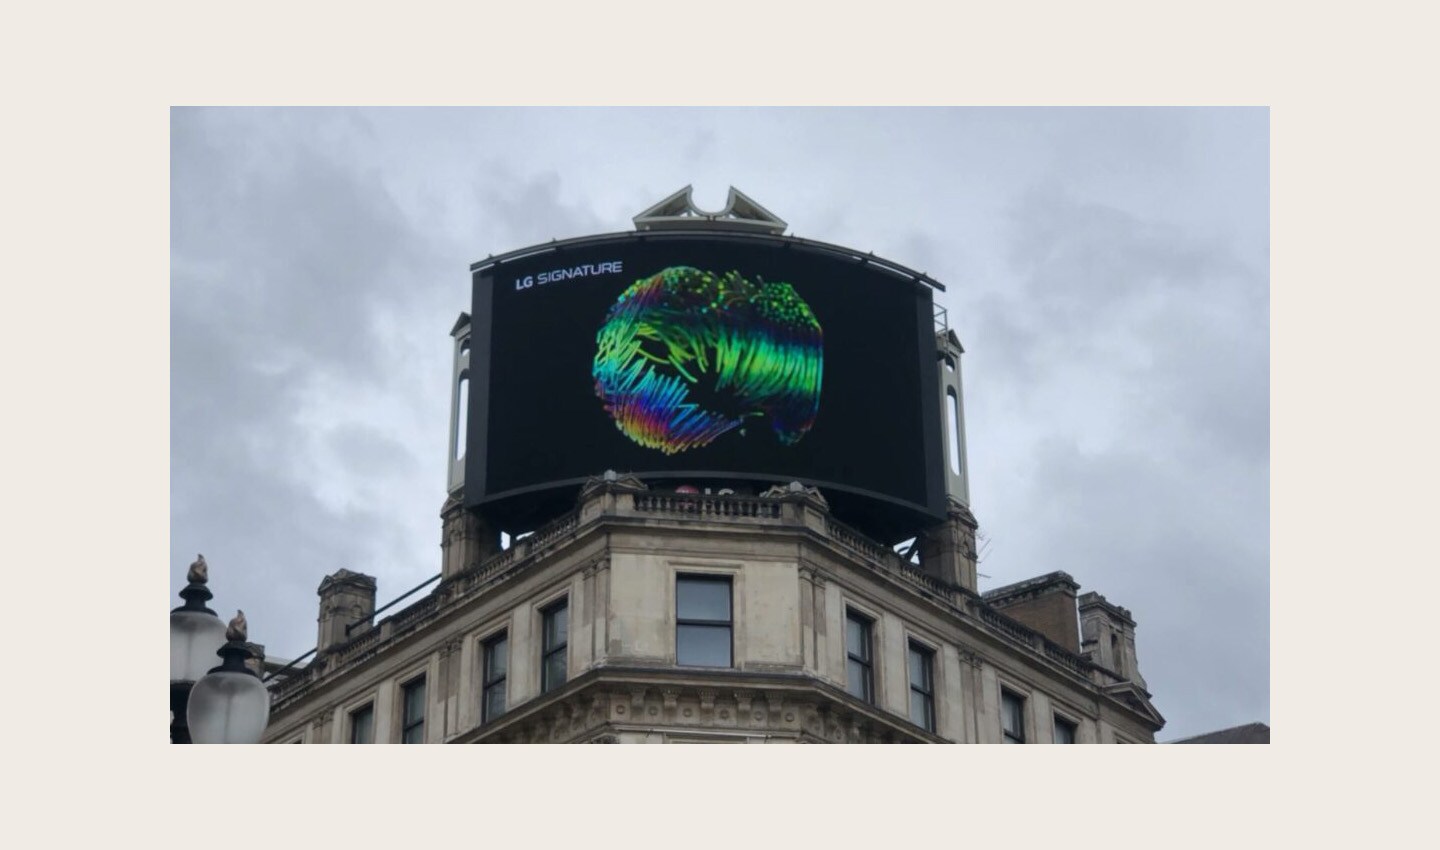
[
  {"x": 230, "y": 705},
  {"x": 196, "y": 635},
  {"x": 227, "y": 704}
]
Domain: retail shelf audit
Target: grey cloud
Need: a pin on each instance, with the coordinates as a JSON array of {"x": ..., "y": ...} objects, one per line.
[
  {"x": 523, "y": 210},
  {"x": 1135, "y": 351},
  {"x": 281, "y": 259},
  {"x": 1150, "y": 536}
]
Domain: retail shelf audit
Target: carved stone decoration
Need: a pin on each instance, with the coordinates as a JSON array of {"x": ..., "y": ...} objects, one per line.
[
  {"x": 671, "y": 698},
  {"x": 604, "y": 739},
  {"x": 742, "y": 705},
  {"x": 637, "y": 699},
  {"x": 238, "y": 630},
  {"x": 774, "y": 702},
  {"x": 199, "y": 572},
  {"x": 707, "y": 701},
  {"x": 740, "y": 213}
]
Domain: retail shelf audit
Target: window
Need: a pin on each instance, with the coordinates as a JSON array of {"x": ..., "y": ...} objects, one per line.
[
  {"x": 702, "y": 621},
  {"x": 555, "y": 626},
  {"x": 859, "y": 671},
  {"x": 362, "y": 725},
  {"x": 412, "y": 725},
  {"x": 952, "y": 433},
  {"x": 462, "y": 409},
  {"x": 496, "y": 656},
  {"x": 1064, "y": 731},
  {"x": 1012, "y": 717},
  {"x": 922, "y": 687}
]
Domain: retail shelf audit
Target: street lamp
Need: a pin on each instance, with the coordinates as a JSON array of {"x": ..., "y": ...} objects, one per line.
[
  {"x": 230, "y": 705},
  {"x": 218, "y": 704},
  {"x": 196, "y": 635}
]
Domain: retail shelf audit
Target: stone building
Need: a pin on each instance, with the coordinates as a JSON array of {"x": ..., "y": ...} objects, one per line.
[{"x": 651, "y": 613}]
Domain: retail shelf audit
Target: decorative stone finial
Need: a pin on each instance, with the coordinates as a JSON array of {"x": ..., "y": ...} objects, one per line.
[
  {"x": 238, "y": 629},
  {"x": 199, "y": 572}
]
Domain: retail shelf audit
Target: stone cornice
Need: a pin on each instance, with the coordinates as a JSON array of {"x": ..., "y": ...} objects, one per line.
[{"x": 606, "y": 700}]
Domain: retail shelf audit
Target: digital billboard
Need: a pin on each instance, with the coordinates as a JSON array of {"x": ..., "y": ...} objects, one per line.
[{"x": 700, "y": 358}]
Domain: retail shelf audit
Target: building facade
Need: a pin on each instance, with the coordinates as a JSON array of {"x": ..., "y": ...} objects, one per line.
[
  {"x": 652, "y": 617},
  {"x": 654, "y": 613}
]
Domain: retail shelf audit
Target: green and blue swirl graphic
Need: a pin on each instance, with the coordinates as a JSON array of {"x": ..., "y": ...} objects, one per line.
[{"x": 686, "y": 355}]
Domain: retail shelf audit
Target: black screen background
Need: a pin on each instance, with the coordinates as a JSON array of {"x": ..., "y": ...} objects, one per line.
[{"x": 543, "y": 424}]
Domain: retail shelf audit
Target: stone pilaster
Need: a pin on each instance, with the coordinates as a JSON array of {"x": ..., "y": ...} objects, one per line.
[
  {"x": 466, "y": 539},
  {"x": 947, "y": 549}
]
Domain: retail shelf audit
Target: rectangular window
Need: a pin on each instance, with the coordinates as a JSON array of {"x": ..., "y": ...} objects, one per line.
[
  {"x": 1064, "y": 731},
  {"x": 702, "y": 621},
  {"x": 922, "y": 687},
  {"x": 362, "y": 725},
  {"x": 496, "y": 656},
  {"x": 859, "y": 668},
  {"x": 1012, "y": 717},
  {"x": 555, "y": 626},
  {"x": 412, "y": 725}
]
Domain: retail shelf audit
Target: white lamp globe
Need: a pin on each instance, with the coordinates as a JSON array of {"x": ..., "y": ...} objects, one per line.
[
  {"x": 230, "y": 705},
  {"x": 195, "y": 639}
]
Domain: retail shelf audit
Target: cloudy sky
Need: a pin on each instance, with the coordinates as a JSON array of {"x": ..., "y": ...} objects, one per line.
[{"x": 1107, "y": 271}]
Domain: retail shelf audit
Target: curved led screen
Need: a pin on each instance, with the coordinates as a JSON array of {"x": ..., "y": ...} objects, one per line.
[{"x": 700, "y": 357}]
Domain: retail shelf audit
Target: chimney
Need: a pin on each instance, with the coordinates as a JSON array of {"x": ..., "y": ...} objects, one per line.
[
  {"x": 346, "y": 599},
  {"x": 1107, "y": 637},
  {"x": 1045, "y": 603}
]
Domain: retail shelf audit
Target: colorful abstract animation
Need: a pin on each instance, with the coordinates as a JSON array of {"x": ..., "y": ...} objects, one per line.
[{"x": 685, "y": 356}]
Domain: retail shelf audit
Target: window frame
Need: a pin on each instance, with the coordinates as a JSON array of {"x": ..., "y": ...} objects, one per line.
[
  {"x": 1056, "y": 719},
  {"x": 350, "y": 714},
  {"x": 406, "y": 723},
  {"x": 727, "y": 579},
  {"x": 488, "y": 684},
  {"x": 928, "y": 654},
  {"x": 1023, "y": 699},
  {"x": 547, "y": 651},
  {"x": 867, "y": 662}
]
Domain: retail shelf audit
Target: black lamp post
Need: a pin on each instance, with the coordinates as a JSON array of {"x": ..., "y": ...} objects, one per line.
[{"x": 220, "y": 705}]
